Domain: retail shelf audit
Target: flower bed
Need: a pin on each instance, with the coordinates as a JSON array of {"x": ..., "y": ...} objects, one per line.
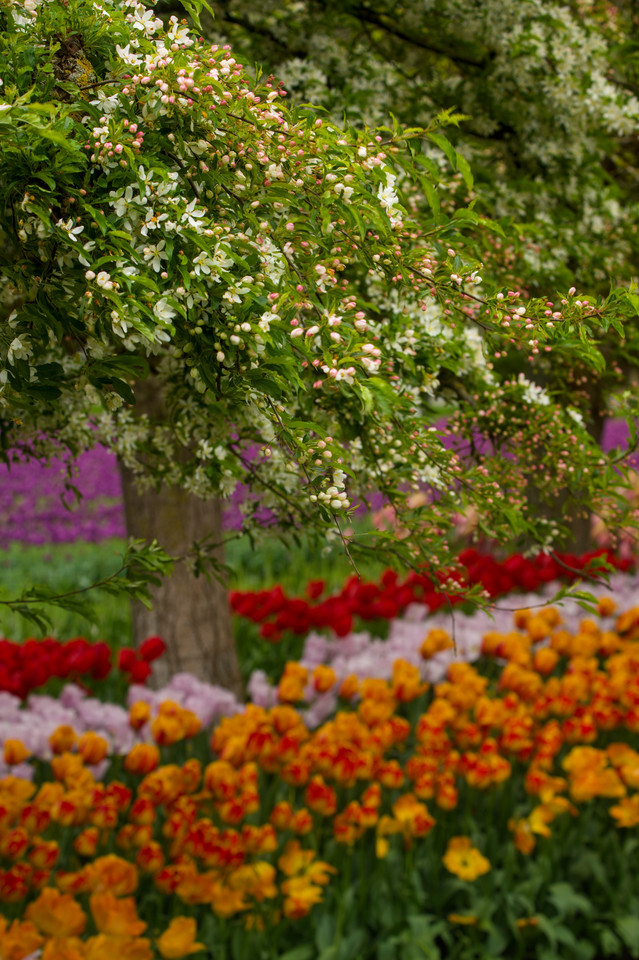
[
  {"x": 388, "y": 598},
  {"x": 25, "y": 667},
  {"x": 489, "y": 812}
]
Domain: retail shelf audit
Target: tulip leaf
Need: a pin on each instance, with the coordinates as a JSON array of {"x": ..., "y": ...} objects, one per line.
[
  {"x": 628, "y": 930},
  {"x": 303, "y": 952},
  {"x": 567, "y": 901},
  {"x": 325, "y": 933}
]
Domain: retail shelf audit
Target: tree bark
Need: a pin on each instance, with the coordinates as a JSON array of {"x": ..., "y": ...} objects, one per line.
[{"x": 191, "y": 614}]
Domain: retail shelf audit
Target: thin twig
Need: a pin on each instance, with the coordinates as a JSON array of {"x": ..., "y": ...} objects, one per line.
[{"x": 63, "y": 596}]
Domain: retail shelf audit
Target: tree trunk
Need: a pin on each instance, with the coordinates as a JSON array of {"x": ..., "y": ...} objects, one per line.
[{"x": 191, "y": 614}]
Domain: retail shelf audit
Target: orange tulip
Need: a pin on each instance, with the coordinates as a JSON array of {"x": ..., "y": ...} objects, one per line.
[
  {"x": 67, "y": 948},
  {"x": 349, "y": 687},
  {"x": 18, "y": 940},
  {"x": 128, "y": 948},
  {"x": 116, "y": 917},
  {"x": 178, "y": 940},
  {"x": 92, "y": 747},
  {"x": 14, "y": 843},
  {"x": 15, "y": 752},
  {"x": 114, "y": 874},
  {"x": 139, "y": 713},
  {"x": 56, "y": 914},
  {"x": 43, "y": 854},
  {"x": 464, "y": 860},
  {"x": 323, "y": 678},
  {"x": 62, "y": 739},
  {"x": 150, "y": 857},
  {"x": 142, "y": 758}
]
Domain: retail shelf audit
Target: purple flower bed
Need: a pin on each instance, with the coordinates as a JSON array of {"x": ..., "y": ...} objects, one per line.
[
  {"x": 32, "y": 509},
  {"x": 33, "y": 498}
]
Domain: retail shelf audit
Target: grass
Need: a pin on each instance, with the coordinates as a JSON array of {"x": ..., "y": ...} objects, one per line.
[
  {"x": 62, "y": 568},
  {"x": 65, "y": 567}
]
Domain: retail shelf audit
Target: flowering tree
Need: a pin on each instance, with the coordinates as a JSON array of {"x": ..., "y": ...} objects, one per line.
[
  {"x": 548, "y": 90},
  {"x": 222, "y": 287},
  {"x": 549, "y": 93}
]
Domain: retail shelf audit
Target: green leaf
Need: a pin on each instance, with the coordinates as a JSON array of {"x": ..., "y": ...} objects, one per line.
[
  {"x": 585, "y": 950},
  {"x": 143, "y": 596},
  {"x": 497, "y": 940},
  {"x": 352, "y": 945},
  {"x": 386, "y": 950},
  {"x": 99, "y": 218},
  {"x": 464, "y": 213},
  {"x": 48, "y": 133},
  {"x": 121, "y": 234},
  {"x": 43, "y": 391},
  {"x": 419, "y": 941},
  {"x": 547, "y": 927},
  {"x": 628, "y": 930},
  {"x": 432, "y": 196},
  {"x": 194, "y": 7},
  {"x": 269, "y": 387},
  {"x": 610, "y": 942},
  {"x": 633, "y": 298},
  {"x": 446, "y": 146},
  {"x": 39, "y": 619},
  {"x": 426, "y": 162},
  {"x": 303, "y": 952},
  {"x": 46, "y": 178},
  {"x": 567, "y": 901},
  {"x": 193, "y": 11},
  {"x": 325, "y": 932},
  {"x": 464, "y": 168},
  {"x": 122, "y": 389},
  {"x": 358, "y": 218}
]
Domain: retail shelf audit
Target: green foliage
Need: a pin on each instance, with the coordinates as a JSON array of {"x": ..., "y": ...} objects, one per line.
[{"x": 141, "y": 566}]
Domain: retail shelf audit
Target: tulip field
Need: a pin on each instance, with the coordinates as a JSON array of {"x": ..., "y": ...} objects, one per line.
[
  {"x": 418, "y": 782},
  {"x": 407, "y": 779}
]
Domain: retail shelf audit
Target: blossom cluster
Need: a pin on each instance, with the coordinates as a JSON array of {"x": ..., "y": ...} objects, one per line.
[
  {"x": 574, "y": 214},
  {"x": 261, "y": 822}
]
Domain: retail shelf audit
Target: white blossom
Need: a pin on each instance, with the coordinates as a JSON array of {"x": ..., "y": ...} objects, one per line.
[
  {"x": 163, "y": 310},
  {"x": 155, "y": 255},
  {"x": 19, "y": 349},
  {"x": 103, "y": 280},
  {"x": 533, "y": 393},
  {"x": 72, "y": 229}
]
